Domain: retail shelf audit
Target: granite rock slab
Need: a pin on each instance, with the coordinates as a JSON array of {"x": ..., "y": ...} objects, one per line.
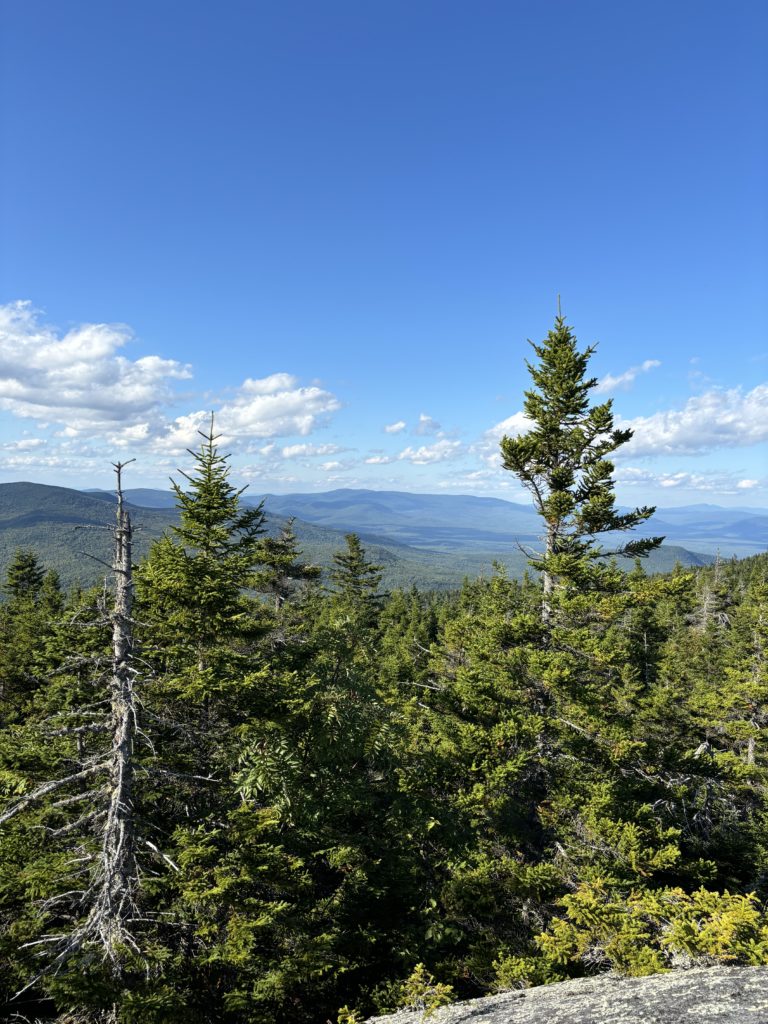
[{"x": 708, "y": 995}]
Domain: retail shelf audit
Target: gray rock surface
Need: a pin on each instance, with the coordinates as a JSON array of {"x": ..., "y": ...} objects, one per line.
[{"x": 704, "y": 995}]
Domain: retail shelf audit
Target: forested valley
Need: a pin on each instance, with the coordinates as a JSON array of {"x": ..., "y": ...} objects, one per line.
[{"x": 236, "y": 790}]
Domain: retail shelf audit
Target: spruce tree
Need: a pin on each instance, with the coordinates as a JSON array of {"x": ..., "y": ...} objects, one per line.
[
  {"x": 24, "y": 578},
  {"x": 356, "y": 580},
  {"x": 564, "y": 462},
  {"x": 192, "y": 586},
  {"x": 281, "y": 569},
  {"x": 33, "y": 602}
]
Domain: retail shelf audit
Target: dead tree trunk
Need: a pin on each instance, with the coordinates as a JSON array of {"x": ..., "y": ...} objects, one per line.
[
  {"x": 106, "y": 905},
  {"x": 118, "y": 878}
]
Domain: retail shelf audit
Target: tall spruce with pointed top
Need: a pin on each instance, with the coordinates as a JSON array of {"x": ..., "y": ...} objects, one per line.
[
  {"x": 192, "y": 586},
  {"x": 24, "y": 577},
  {"x": 564, "y": 462}
]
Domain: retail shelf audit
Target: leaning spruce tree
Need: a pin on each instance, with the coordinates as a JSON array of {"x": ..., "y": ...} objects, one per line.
[{"x": 563, "y": 461}]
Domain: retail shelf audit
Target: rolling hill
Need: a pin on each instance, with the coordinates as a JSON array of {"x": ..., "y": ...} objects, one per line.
[
  {"x": 463, "y": 523},
  {"x": 432, "y": 541}
]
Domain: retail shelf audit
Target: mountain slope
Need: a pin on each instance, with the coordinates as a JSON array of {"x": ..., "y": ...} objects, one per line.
[
  {"x": 69, "y": 530},
  {"x": 447, "y": 522},
  {"x": 426, "y": 540}
]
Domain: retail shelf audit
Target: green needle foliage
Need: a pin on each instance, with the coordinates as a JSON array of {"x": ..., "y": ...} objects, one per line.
[
  {"x": 564, "y": 462},
  {"x": 192, "y": 587},
  {"x": 347, "y": 801}
]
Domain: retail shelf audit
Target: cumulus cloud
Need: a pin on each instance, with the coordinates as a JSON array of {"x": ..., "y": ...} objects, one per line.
[
  {"x": 26, "y": 444},
  {"x": 259, "y": 473},
  {"x": 395, "y": 428},
  {"x": 59, "y": 460},
  {"x": 623, "y": 380},
  {"x": 273, "y": 406},
  {"x": 716, "y": 419},
  {"x": 269, "y": 385},
  {"x": 514, "y": 425},
  {"x": 710, "y": 481},
  {"x": 379, "y": 460},
  {"x": 182, "y": 433},
  {"x": 479, "y": 479},
  {"x": 295, "y": 451},
  {"x": 428, "y": 454},
  {"x": 426, "y": 425},
  {"x": 80, "y": 383},
  {"x": 487, "y": 447},
  {"x": 79, "y": 379}
]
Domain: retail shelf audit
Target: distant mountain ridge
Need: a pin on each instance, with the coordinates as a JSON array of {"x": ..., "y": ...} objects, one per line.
[
  {"x": 448, "y": 522},
  {"x": 463, "y": 522},
  {"x": 430, "y": 540}
]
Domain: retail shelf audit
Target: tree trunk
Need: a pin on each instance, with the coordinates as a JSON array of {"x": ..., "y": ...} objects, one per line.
[
  {"x": 547, "y": 579},
  {"x": 115, "y": 900}
]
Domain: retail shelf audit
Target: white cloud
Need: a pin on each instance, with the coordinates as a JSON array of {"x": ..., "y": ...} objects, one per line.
[
  {"x": 79, "y": 379},
  {"x": 260, "y": 412},
  {"x": 265, "y": 473},
  {"x": 477, "y": 478},
  {"x": 711, "y": 481},
  {"x": 328, "y": 466},
  {"x": 182, "y": 433},
  {"x": 271, "y": 384},
  {"x": 716, "y": 419},
  {"x": 487, "y": 448},
  {"x": 395, "y": 428},
  {"x": 270, "y": 407},
  {"x": 27, "y": 444},
  {"x": 514, "y": 425},
  {"x": 428, "y": 454},
  {"x": 81, "y": 384},
  {"x": 294, "y": 451},
  {"x": 677, "y": 480},
  {"x": 426, "y": 425},
  {"x": 623, "y": 380},
  {"x": 130, "y": 436},
  {"x": 379, "y": 460}
]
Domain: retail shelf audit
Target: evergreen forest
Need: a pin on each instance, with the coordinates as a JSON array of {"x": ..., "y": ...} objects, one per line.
[{"x": 236, "y": 789}]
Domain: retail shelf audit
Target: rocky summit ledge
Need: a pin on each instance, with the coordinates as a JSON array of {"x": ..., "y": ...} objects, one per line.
[{"x": 702, "y": 995}]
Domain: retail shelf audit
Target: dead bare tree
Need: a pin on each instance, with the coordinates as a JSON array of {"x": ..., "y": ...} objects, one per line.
[
  {"x": 117, "y": 878},
  {"x": 103, "y": 831}
]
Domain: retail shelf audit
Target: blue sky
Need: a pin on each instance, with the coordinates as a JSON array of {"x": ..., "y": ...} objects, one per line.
[{"x": 337, "y": 224}]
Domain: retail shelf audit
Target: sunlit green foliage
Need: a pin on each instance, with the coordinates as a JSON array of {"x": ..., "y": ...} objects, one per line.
[{"x": 352, "y": 801}]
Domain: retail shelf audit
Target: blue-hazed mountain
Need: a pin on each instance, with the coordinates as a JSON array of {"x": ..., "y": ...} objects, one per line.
[
  {"x": 460, "y": 522},
  {"x": 432, "y": 541},
  {"x": 71, "y": 531},
  {"x": 440, "y": 522}
]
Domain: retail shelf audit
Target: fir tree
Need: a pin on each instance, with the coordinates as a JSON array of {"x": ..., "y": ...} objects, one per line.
[
  {"x": 26, "y": 621},
  {"x": 24, "y": 578},
  {"x": 281, "y": 569},
  {"x": 192, "y": 586},
  {"x": 356, "y": 580},
  {"x": 563, "y": 461}
]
